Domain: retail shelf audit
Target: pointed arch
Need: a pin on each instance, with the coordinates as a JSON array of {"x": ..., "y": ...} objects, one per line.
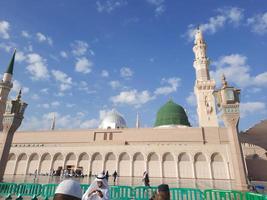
[
  {"x": 185, "y": 166},
  {"x": 110, "y": 162},
  {"x": 201, "y": 165},
  {"x": 33, "y": 163},
  {"x": 21, "y": 165},
  {"x": 168, "y": 165},
  {"x": 124, "y": 168},
  {"x": 138, "y": 164},
  {"x": 45, "y": 163},
  {"x": 153, "y": 165},
  {"x": 218, "y": 166},
  {"x": 10, "y": 164},
  {"x": 83, "y": 162},
  {"x": 70, "y": 161},
  {"x": 57, "y": 161},
  {"x": 96, "y": 163}
]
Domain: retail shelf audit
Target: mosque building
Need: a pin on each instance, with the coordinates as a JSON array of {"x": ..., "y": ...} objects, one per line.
[{"x": 170, "y": 149}]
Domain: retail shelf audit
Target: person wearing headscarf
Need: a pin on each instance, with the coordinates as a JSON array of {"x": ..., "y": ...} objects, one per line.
[
  {"x": 68, "y": 190},
  {"x": 98, "y": 190}
]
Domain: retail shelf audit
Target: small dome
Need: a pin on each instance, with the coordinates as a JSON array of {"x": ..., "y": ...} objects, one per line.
[
  {"x": 113, "y": 120},
  {"x": 171, "y": 115}
]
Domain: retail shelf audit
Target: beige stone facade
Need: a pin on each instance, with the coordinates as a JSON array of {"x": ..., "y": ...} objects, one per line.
[{"x": 201, "y": 153}]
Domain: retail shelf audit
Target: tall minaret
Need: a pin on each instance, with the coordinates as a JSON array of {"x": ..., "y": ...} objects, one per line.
[
  {"x": 204, "y": 86},
  {"x": 53, "y": 124},
  {"x": 137, "y": 124},
  {"x": 5, "y": 87}
]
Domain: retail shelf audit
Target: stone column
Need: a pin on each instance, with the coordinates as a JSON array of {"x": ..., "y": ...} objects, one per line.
[
  {"x": 161, "y": 167},
  {"x": 210, "y": 169},
  {"x": 27, "y": 165}
]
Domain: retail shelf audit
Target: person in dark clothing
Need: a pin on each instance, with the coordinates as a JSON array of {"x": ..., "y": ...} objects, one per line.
[
  {"x": 146, "y": 179},
  {"x": 115, "y": 175},
  {"x": 107, "y": 175}
]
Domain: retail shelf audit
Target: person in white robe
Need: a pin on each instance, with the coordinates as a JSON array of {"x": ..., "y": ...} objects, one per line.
[{"x": 98, "y": 190}]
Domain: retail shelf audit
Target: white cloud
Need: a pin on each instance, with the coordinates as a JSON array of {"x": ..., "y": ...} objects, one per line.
[
  {"x": 44, "y": 90},
  {"x": 64, "y": 80},
  {"x": 109, "y": 5},
  {"x": 114, "y": 84},
  {"x": 8, "y": 47},
  {"x": 231, "y": 15},
  {"x": 104, "y": 73},
  {"x": 63, "y": 54},
  {"x": 258, "y": 23},
  {"x": 191, "y": 99},
  {"x": 248, "y": 108},
  {"x": 17, "y": 86},
  {"x": 83, "y": 86},
  {"x": 70, "y": 105},
  {"x": 79, "y": 48},
  {"x": 62, "y": 121},
  {"x": 42, "y": 38},
  {"x": 25, "y": 34},
  {"x": 165, "y": 90},
  {"x": 83, "y": 65},
  {"x": 37, "y": 66},
  {"x": 237, "y": 70},
  {"x": 126, "y": 72},
  {"x": 55, "y": 104},
  {"x": 159, "y": 6},
  {"x": 35, "y": 97},
  {"x": 20, "y": 56},
  {"x": 91, "y": 123},
  {"x": 4, "y": 28},
  {"x": 132, "y": 97}
]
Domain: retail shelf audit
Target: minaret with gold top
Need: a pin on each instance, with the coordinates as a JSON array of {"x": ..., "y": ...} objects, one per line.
[{"x": 204, "y": 85}]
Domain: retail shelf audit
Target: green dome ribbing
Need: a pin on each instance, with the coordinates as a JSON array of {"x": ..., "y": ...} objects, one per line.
[{"x": 171, "y": 114}]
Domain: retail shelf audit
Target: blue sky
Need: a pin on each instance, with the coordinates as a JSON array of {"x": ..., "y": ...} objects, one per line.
[{"x": 80, "y": 59}]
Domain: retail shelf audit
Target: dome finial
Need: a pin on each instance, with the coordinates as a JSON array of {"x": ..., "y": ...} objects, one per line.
[
  {"x": 19, "y": 95},
  {"x": 224, "y": 82}
]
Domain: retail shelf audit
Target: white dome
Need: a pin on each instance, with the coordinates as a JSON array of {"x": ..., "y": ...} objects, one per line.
[{"x": 113, "y": 120}]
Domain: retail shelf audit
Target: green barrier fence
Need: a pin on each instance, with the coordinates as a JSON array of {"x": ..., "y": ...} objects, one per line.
[
  {"x": 47, "y": 191},
  {"x": 121, "y": 192},
  {"x": 223, "y": 195},
  {"x": 254, "y": 196},
  {"x": 28, "y": 190},
  {"x": 7, "y": 190},
  {"x": 186, "y": 194},
  {"x": 143, "y": 192}
]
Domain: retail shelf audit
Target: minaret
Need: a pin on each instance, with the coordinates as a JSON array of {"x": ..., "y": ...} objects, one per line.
[
  {"x": 228, "y": 102},
  {"x": 5, "y": 87},
  {"x": 53, "y": 124},
  {"x": 204, "y": 86},
  {"x": 13, "y": 116},
  {"x": 137, "y": 124}
]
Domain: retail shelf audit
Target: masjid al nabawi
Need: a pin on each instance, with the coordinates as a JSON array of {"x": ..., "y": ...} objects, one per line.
[{"x": 170, "y": 149}]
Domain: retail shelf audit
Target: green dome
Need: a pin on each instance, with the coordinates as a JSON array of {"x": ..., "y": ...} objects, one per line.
[{"x": 171, "y": 114}]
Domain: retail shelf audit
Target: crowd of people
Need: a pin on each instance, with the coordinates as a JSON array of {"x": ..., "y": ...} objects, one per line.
[{"x": 99, "y": 189}]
